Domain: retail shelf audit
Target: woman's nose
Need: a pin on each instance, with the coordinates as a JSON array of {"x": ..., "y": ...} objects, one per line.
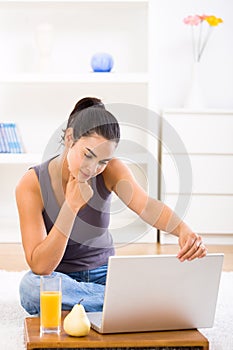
[{"x": 92, "y": 168}]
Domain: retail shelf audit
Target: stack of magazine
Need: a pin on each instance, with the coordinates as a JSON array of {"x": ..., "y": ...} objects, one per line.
[{"x": 10, "y": 141}]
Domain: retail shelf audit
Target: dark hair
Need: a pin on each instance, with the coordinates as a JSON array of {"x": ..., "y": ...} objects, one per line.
[{"x": 89, "y": 116}]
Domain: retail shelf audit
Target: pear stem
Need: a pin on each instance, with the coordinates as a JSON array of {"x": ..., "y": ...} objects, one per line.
[{"x": 80, "y": 301}]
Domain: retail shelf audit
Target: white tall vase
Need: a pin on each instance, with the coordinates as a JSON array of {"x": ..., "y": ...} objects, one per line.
[{"x": 194, "y": 96}]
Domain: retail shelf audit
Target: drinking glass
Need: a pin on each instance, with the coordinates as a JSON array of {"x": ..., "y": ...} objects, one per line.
[{"x": 50, "y": 304}]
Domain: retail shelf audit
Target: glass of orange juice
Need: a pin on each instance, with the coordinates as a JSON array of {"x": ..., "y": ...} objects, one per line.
[{"x": 50, "y": 304}]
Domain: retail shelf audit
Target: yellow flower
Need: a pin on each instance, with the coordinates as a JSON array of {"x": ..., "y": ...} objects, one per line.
[{"x": 213, "y": 21}]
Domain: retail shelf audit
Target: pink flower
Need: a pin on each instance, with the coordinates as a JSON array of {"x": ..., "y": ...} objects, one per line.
[
  {"x": 192, "y": 20},
  {"x": 203, "y": 17}
]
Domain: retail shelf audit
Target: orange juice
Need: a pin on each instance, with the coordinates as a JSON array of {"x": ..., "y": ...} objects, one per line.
[{"x": 50, "y": 309}]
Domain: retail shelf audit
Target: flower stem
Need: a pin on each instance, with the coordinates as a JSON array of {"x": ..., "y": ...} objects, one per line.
[
  {"x": 199, "y": 42},
  {"x": 205, "y": 42},
  {"x": 193, "y": 43}
]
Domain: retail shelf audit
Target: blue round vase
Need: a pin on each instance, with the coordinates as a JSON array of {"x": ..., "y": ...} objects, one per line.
[{"x": 101, "y": 62}]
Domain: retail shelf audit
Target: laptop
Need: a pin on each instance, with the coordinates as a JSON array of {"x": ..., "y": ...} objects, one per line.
[{"x": 158, "y": 292}]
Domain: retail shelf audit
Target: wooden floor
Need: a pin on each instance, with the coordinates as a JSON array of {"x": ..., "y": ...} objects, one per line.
[{"x": 12, "y": 256}]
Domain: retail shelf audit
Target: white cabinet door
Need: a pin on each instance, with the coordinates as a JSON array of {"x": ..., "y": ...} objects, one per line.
[
  {"x": 211, "y": 174},
  {"x": 201, "y": 133},
  {"x": 206, "y": 143},
  {"x": 210, "y": 216}
]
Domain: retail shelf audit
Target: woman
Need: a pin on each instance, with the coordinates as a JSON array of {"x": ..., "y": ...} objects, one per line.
[{"x": 64, "y": 206}]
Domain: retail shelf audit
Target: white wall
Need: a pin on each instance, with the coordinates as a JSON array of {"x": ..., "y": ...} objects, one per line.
[{"x": 174, "y": 53}]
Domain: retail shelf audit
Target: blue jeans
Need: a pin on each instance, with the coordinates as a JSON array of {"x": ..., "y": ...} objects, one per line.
[{"x": 88, "y": 285}]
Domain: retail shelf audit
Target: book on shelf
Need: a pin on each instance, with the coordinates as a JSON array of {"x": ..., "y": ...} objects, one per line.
[{"x": 10, "y": 140}]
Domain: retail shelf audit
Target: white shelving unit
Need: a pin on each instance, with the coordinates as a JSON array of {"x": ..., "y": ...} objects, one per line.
[
  {"x": 197, "y": 171},
  {"x": 100, "y": 78},
  {"x": 40, "y": 82}
]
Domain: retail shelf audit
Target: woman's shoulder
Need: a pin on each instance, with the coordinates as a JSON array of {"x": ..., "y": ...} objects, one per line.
[
  {"x": 27, "y": 191},
  {"x": 115, "y": 171},
  {"x": 30, "y": 179},
  {"x": 28, "y": 183}
]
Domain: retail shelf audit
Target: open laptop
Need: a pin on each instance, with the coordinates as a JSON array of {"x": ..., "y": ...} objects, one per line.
[{"x": 158, "y": 292}]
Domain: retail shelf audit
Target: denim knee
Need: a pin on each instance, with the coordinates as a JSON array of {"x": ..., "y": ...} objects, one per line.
[
  {"x": 72, "y": 292},
  {"x": 29, "y": 291}
]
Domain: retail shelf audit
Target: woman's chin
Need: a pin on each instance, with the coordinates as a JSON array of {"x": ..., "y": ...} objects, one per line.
[{"x": 82, "y": 178}]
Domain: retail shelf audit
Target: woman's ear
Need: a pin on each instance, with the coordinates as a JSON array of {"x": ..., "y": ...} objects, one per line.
[{"x": 69, "y": 137}]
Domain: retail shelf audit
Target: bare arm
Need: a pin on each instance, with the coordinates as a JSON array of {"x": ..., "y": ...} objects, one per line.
[
  {"x": 152, "y": 211},
  {"x": 44, "y": 251}
]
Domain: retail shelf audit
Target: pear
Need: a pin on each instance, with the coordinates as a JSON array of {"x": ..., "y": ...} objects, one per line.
[{"x": 76, "y": 323}]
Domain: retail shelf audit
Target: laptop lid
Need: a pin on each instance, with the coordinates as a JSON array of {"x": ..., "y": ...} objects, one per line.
[{"x": 158, "y": 292}]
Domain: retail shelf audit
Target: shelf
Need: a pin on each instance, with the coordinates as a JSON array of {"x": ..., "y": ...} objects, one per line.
[
  {"x": 202, "y": 111},
  {"x": 76, "y": 78},
  {"x": 20, "y": 158},
  {"x": 75, "y": 1},
  {"x": 45, "y": 89}
]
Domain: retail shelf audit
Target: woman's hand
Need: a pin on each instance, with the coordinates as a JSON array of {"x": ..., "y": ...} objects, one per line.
[
  {"x": 191, "y": 246},
  {"x": 77, "y": 193}
]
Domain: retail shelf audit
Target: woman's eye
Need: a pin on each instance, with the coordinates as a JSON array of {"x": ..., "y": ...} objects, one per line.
[{"x": 89, "y": 156}]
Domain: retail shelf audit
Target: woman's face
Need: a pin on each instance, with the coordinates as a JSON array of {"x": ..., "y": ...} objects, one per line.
[{"x": 89, "y": 156}]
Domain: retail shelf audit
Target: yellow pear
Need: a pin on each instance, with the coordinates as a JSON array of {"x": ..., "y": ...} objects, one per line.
[{"x": 76, "y": 323}]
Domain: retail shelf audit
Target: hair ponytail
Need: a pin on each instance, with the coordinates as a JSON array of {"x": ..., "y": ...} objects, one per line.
[
  {"x": 84, "y": 103},
  {"x": 89, "y": 116}
]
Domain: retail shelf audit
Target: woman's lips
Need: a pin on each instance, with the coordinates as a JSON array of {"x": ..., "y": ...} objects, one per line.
[{"x": 84, "y": 174}]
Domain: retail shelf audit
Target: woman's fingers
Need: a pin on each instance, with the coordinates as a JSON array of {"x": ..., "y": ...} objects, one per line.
[{"x": 192, "y": 249}]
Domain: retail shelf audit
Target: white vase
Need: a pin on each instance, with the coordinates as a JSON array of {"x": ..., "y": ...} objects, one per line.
[{"x": 194, "y": 96}]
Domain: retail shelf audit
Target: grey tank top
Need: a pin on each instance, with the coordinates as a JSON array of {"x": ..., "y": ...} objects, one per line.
[{"x": 90, "y": 243}]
